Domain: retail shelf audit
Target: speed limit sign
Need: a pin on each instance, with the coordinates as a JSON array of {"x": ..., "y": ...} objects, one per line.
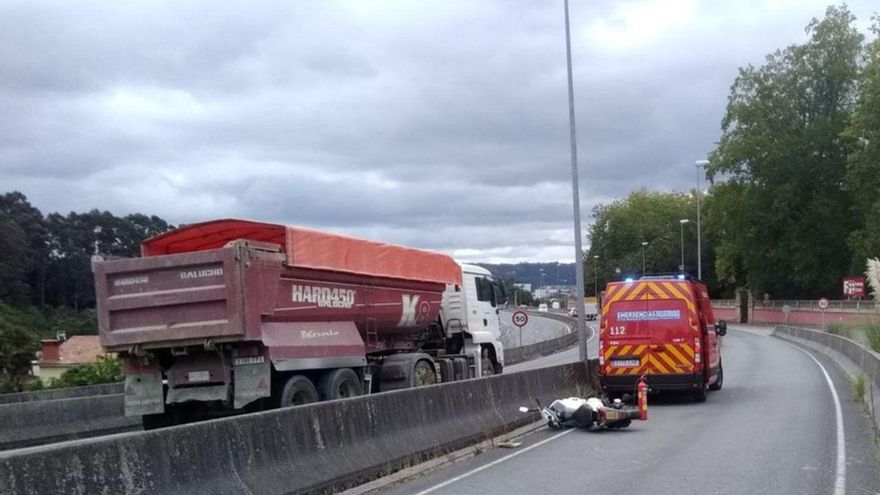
[
  {"x": 520, "y": 318},
  {"x": 823, "y": 304}
]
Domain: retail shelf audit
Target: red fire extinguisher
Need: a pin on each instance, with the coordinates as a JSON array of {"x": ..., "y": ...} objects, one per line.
[{"x": 643, "y": 398}]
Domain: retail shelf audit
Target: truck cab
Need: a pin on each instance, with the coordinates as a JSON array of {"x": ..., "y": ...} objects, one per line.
[
  {"x": 663, "y": 328},
  {"x": 472, "y": 312}
]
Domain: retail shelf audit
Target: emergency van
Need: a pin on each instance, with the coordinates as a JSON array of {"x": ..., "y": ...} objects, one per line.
[{"x": 660, "y": 327}]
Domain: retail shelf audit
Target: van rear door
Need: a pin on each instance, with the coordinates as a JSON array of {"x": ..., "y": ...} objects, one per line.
[{"x": 648, "y": 328}]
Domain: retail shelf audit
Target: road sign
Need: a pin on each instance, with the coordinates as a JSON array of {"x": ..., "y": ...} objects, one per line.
[
  {"x": 520, "y": 318},
  {"x": 854, "y": 287},
  {"x": 823, "y": 304},
  {"x": 786, "y": 308}
]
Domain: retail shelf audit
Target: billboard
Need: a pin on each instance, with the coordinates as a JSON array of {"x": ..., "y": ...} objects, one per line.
[{"x": 854, "y": 287}]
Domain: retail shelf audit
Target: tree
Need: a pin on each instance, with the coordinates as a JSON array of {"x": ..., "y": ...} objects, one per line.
[
  {"x": 620, "y": 228},
  {"x": 863, "y": 167},
  {"x": 31, "y": 239},
  {"x": 17, "y": 349},
  {"x": 785, "y": 210},
  {"x": 13, "y": 262}
]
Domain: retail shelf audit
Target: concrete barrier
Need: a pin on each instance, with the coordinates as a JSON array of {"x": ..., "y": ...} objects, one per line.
[
  {"x": 517, "y": 355},
  {"x": 62, "y": 393},
  {"x": 320, "y": 447},
  {"x": 39, "y": 422},
  {"x": 842, "y": 349}
]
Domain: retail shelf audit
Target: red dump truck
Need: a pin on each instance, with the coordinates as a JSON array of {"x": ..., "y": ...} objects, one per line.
[{"x": 233, "y": 315}]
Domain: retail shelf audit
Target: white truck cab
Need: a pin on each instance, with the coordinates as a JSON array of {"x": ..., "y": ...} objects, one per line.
[{"x": 472, "y": 310}]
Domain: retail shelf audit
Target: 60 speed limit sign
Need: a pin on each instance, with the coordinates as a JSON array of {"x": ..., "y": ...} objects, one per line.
[{"x": 520, "y": 318}]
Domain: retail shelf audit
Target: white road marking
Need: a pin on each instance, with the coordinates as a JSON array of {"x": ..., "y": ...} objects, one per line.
[
  {"x": 493, "y": 463},
  {"x": 840, "y": 471}
]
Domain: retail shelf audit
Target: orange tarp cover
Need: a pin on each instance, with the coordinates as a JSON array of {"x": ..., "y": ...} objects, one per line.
[{"x": 308, "y": 248}]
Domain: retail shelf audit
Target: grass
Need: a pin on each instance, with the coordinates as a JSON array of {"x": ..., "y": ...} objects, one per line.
[
  {"x": 872, "y": 333},
  {"x": 859, "y": 387},
  {"x": 838, "y": 329}
]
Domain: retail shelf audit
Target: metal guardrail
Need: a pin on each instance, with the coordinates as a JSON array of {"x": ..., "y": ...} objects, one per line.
[{"x": 849, "y": 306}]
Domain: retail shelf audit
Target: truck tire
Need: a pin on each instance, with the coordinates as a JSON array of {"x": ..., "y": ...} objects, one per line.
[
  {"x": 424, "y": 374},
  {"x": 488, "y": 367},
  {"x": 720, "y": 381},
  {"x": 340, "y": 384},
  {"x": 700, "y": 394},
  {"x": 298, "y": 390}
]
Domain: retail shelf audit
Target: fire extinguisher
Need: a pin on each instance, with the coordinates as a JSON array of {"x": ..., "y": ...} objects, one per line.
[{"x": 643, "y": 398}]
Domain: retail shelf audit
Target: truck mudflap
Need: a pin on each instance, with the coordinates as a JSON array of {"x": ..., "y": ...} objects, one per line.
[
  {"x": 252, "y": 380},
  {"x": 143, "y": 392}
]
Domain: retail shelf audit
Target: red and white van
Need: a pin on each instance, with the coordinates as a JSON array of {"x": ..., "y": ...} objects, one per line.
[{"x": 662, "y": 328}]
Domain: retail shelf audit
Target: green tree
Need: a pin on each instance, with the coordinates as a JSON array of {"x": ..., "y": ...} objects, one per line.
[
  {"x": 786, "y": 213},
  {"x": 863, "y": 171},
  {"x": 13, "y": 262},
  {"x": 620, "y": 228},
  {"x": 17, "y": 347},
  {"x": 29, "y": 251}
]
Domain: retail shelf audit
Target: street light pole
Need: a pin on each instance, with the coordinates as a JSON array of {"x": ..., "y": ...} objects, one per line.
[
  {"x": 701, "y": 164},
  {"x": 596, "y": 277},
  {"x": 682, "y": 222},
  {"x": 644, "y": 245},
  {"x": 576, "y": 202}
]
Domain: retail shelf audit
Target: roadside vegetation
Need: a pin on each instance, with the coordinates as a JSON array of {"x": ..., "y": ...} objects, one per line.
[{"x": 859, "y": 387}]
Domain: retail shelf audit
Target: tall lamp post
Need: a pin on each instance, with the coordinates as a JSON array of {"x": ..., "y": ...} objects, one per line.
[
  {"x": 701, "y": 166},
  {"x": 682, "y": 222},
  {"x": 644, "y": 245},
  {"x": 576, "y": 202},
  {"x": 596, "y": 276}
]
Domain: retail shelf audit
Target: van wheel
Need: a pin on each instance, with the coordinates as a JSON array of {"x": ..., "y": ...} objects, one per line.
[
  {"x": 297, "y": 391},
  {"x": 720, "y": 381},
  {"x": 423, "y": 374},
  {"x": 340, "y": 384},
  {"x": 700, "y": 394}
]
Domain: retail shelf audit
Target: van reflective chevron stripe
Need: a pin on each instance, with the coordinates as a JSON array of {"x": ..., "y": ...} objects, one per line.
[{"x": 669, "y": 359}]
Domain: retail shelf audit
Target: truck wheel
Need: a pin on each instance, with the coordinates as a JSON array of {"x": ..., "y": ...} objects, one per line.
[
  {"x": 720, "y": 381},
  {"x": 340, "y": 384},
  {"x": 488, "y": 367},
  {"x": 297, "y": 391},
  {"x": 700, "y": 394},
  {"x": 424, "y": 374}
]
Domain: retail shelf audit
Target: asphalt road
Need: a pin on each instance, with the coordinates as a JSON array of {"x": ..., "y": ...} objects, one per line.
[
  {"x": 771, "y": 430},
  {"x": 538, "y": 329}
]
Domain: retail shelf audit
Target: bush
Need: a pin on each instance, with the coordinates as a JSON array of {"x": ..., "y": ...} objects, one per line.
[
  {"x": 859, "y": 386},
  {"x": 838, "y": 329},
  {"x": 872, "y": 333},
  {"x": 105, "y": 370}
]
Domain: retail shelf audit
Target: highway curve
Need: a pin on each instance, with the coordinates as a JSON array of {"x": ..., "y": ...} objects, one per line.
[{"x": 772, "y": 429}]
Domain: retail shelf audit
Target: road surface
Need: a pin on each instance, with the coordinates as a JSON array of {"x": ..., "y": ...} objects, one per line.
[{"x": 771, "y": 430}]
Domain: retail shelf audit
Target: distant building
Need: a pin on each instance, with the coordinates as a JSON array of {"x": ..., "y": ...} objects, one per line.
[
  {"x": 554, "y": 290},
  {"x": 525, "y": 287},
  {"x": 59, "y": 356}
]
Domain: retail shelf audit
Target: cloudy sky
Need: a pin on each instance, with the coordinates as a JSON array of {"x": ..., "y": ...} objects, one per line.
[{"x": 438, "y": 124}]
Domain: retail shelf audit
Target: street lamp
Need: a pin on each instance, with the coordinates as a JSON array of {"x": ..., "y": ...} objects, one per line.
[
  {"x": 682, "y": 222},
  {"x": 701, "y": 164},
  {"x": 575, "y": 200},
  {"x": 596, "y": 277},
  {"x": 644, "y": 245}
]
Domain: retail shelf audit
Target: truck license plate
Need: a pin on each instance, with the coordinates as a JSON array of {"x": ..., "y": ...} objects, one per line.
[
  {"x": 198, "y": 376},
  {"x": 624, "y": 363}
]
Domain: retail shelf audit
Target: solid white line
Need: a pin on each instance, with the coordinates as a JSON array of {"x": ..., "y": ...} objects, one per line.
[
  {"x": 493, "y": 463},
  {"x": 840, "y": 474}
]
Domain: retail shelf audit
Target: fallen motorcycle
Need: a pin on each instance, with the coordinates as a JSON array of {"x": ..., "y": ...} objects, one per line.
[{"x": 593, "y": 413}]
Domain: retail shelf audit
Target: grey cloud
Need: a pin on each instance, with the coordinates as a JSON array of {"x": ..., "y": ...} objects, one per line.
[{"x": 438, "y": 124}]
